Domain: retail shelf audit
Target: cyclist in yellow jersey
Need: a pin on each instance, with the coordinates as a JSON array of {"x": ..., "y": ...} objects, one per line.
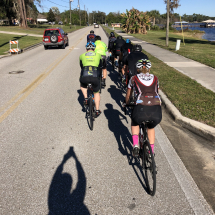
[
  {"x": 91, "y": 64},
  {"x": 101, "y": 48}
]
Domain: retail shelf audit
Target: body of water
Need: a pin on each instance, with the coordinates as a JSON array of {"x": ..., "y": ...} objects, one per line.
[{"x": 209, "y": 32}]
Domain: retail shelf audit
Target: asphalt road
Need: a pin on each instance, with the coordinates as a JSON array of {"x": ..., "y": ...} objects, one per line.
[{"x": 51, "y": 163}]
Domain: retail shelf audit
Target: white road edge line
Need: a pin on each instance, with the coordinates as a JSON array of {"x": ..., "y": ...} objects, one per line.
[{"x": 188, "y": 185}]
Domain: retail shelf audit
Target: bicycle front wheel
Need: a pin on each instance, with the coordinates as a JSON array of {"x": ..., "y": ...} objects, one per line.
[
  {"x": 91, "y": 113},
  {"x": 150, "y": 168}
]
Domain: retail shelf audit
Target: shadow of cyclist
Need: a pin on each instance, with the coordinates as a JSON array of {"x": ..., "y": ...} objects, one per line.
[
  {"x": 121, "y": 132},
  {"x": 116, "y": 94},
  {"x": 60, "y": 199},
  {"x": 114, "y": 75},
  {"x": 124, "y": 140},
  {"x": 81, "y": 99}
]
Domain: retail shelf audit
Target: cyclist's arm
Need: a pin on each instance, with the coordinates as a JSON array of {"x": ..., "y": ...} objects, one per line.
[
  {"x": 80, "y": 62},
  {"x": 129, "y": 92}
]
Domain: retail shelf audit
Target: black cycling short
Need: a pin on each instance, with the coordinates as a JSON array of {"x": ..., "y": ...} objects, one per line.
[
  {"x": 104, "y": 62},
  {"x": 93, "y": 80},
  {"x": 146, "y": 113}
]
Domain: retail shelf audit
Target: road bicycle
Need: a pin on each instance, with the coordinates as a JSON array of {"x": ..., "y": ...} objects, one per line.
[
  {"x": 146, "y": 157},
  {"x": 90, "y": 107}
]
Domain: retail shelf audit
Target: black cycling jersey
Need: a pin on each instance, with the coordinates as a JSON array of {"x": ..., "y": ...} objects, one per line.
[
  {"x": 132, "y": 60},
  {"x": 111, "y": 43},
  {"x": 117, "y": 45},
  {"x": 91, "y": 37},
  {"x": 126, "y": 49}
]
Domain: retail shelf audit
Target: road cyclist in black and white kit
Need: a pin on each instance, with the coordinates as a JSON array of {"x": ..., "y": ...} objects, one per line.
[{"x": 144, "y": 88}]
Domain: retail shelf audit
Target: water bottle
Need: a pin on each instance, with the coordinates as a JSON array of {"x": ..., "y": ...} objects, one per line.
[{"x": 93, "y": 98}]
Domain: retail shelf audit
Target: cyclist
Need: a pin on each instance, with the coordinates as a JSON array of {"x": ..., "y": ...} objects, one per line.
[
  {"x": 119, "y": 42},
  {"x": 126, "y": 49},
  {"x": 91, "y": 64},
  {"x": 145, "y": 87},
  {"x": 132, "y": 59},
  {"x": 91, "y": 36},
  {"x": 101, "y": 48},
  {"x": 111, "y": 41}
]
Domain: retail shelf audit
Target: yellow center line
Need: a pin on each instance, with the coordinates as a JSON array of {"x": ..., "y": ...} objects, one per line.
[{"x": 33, "y": 85}]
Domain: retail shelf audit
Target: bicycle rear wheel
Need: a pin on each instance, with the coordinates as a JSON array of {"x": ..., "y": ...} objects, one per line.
[
  {"x": 150, "y": 168},
  {"x": 91, "y": 112}
]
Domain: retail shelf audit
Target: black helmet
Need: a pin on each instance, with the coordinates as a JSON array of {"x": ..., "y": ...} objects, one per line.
[
  {"x": 137, "y": 47},
  {"x": 112, "y": 34},
  {"x": 119, "y": 37},
  {"x": 92, "y": 31},
  {"x": 97, "y": 38}
]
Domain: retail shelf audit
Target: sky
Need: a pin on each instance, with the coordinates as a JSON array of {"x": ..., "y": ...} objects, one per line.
[{"x": 187, "y": 7}]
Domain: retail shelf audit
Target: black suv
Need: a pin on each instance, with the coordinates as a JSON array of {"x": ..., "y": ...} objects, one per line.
[{"x": 55, "y": 37}]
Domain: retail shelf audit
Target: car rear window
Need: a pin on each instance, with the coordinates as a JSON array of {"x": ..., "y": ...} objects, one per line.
[{"x": 51, "y": 32}]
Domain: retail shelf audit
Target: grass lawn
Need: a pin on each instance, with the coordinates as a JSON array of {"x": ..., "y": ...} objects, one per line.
[
  {"x": 24, "y": 41},
  {"x": 195, "y": 48},
  {"x": 190, "y": 98},
  {"x": 39, "y": 30}
]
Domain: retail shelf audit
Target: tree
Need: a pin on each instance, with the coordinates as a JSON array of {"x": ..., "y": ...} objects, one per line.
[
  {"x": 135, "y": 21},
  {"x": 56, "y": 12},
  {"x": 51, "y": 16},
  {"x": 153, "y": 14},
  {"x": 170, "y": 5},
  {"x": 7, "y": 8}
]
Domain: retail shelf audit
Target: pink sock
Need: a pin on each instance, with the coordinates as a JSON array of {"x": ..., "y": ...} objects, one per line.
[
  {"x": 135, "y": 140},
  {"x": 152, "y": 146}
]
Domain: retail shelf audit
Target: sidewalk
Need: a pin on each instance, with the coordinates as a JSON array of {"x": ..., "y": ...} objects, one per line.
[
  {"x": 24, "y": 34},
  {"x": 203, "y": 74}
]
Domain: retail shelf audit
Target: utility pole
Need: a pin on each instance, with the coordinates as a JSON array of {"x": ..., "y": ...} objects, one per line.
[
  {"x": 70, "y": 13},
  {"x": 85, "y": 14},
  {"x": 79, "y": 12},
  {"x": 167, "y": 24},
  {"x": 88, "y": 16}
]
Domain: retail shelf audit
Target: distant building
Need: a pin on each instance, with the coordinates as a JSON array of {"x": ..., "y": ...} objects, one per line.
[
  {"x": 183, "y": 22},
  {"x": 116, "y": 25},
  {"x": 4, "y": 22}
]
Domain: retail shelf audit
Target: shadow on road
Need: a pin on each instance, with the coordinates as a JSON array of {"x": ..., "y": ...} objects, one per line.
[
  {"x": 60, "y": 199},
  {"x": 116, "y": 94},
  {"x": 81, "y": 99},
  {"x": 124, "y": 140}
]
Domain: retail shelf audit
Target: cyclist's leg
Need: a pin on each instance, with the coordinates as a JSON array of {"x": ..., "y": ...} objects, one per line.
[
  {"x": 104, "y": 68},
  {"x": 95, "y": 85},
  {"x": 83, "y": 82}
]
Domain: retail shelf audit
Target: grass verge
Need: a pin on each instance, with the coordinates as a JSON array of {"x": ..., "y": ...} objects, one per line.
[
  {"x": 24, "y": 42},
  {"x": 38, "y": 30},
  {"x": 189, "y": 97}
]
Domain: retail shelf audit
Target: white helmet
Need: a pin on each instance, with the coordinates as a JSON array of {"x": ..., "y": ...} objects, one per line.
[{"x": 143, "y": 63}]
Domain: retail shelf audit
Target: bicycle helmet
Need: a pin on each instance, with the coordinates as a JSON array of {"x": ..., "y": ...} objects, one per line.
[
  {"x": 143, "y": 63},
  {"x": 92, "y": 31},
  {"x": 119, "y": 37},
  {"x": 128, "y": 41},
  {"x": 97, "y": 38},
  {"x": 90, "y": 45},
  {"x": 112, "y": 34},
  {"x": 137, "y": 47}
]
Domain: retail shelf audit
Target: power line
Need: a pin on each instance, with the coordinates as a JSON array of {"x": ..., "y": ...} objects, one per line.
[{"x": 58, "y": 4}]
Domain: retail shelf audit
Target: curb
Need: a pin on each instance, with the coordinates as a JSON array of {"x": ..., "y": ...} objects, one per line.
[{"x": 201, "y": 129}]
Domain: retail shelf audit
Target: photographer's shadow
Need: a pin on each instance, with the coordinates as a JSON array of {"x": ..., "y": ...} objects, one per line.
[{"x": 60, "y": 199}]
